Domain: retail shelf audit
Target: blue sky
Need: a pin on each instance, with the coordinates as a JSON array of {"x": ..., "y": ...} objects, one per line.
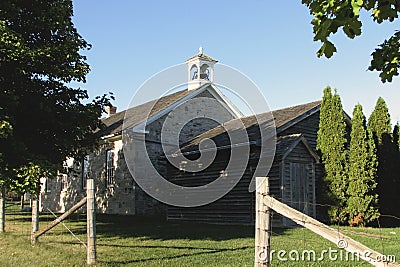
[{"x": 269, "y": 41}]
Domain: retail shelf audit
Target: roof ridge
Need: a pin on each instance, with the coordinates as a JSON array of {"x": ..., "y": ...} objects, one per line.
[
  {"x": 275, "y": 110},
  {"x": 316, "y": 102}
]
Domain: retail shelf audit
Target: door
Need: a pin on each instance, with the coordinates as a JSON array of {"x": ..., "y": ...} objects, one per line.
[{"x": 298, "y": 196}]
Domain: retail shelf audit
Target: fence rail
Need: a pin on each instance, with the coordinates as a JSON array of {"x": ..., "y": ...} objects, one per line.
[{"x": 342, "y": 241}]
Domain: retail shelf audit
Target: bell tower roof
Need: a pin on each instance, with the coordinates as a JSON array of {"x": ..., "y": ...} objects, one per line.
[{"x": 201, "y": 56}]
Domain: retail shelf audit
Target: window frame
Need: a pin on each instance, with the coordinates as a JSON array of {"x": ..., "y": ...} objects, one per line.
[
  {"x": 110, "y": 168},
  {"x": 64, "y": 177}
]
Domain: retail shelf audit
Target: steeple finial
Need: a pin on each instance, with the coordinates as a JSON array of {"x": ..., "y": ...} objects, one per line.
[{"x": 200, "y": 50}]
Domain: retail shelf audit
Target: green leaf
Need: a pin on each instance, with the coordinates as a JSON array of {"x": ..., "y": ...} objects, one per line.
[
  {"x": 353, "y": 28},
  {"x": 327, "y": 49},
  {"x": 356, "y": 5},
  {"x": 331, "y": 15}
]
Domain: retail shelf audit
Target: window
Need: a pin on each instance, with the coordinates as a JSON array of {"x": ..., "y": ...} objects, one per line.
[
  {"x": 85, "y": 171},
  {"x": 44, "y": 185},
  {"x": 205, "y": 72},
  {"x": 64, "y": 181},
  {"x": 193, "y": 72},
  {"x": 110, "y": 168},
  {"x": 64, "y": 176},
  {"x": 47, "y": 186}
]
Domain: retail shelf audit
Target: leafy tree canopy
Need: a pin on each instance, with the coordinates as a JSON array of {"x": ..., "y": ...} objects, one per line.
[
  {"x": 332, "y": 15},
  {"x": 43, "y": 119}
]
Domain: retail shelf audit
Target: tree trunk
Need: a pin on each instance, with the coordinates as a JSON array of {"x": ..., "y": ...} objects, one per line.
[{"x": 2, "y": 209}]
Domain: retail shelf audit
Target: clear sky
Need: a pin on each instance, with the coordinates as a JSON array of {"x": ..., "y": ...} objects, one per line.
[{"x": 269, "y": 41}]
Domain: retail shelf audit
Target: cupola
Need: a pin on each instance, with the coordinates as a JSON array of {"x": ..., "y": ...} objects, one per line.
[{"x": 200, "y": 70}]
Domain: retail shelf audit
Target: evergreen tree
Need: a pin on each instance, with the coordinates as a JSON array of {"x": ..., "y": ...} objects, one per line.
[
  {"x": 332, "y": 144},
  {"x": 379, "y": 121},
  {"x": 387, "y": 152},
  {"x": 396, "y": 140},
  {"x": 362, "y": 199},
  {"x": 396, "y": 168}
]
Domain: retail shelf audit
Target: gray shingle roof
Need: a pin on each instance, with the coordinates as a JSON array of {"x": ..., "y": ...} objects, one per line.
[
  {"x": 286, "y": 115},
  {"x": 138, "y": 114},
  {"x": 220, "y": 135},
  {"x": 282, "y": 117}
]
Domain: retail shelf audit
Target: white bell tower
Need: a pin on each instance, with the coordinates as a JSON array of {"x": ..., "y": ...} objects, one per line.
[{"x": 200, "y": 70}]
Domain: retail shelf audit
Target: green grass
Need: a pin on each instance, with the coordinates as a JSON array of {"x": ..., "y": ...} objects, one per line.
[{"x": 131, "y": 241}]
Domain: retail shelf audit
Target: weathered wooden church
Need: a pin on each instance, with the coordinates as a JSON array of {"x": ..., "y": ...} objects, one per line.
[{"x": 295, "y": 176}]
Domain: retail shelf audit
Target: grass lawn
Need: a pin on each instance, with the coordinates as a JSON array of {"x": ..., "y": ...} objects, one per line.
[{"x": 131, "y": 241}]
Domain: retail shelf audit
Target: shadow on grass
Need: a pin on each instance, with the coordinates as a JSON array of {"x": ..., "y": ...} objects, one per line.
[
  {"x": 19, "y": 216},
  {"x": 206, "y": 251},
  {"x": 195, "y": 251},
  {"x": 152, "y": 246},
  {"x": 156, "y": 228},
  {"x": 147, "y": 228}
]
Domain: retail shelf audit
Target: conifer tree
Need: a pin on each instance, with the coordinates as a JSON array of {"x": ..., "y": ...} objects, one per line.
[
  {"x": 362, "y": 198},
  {"x": 396, "y": 140},
  {"x": 379, "y": 121},
  {"x": 395, "y": 159},
  {"x": 379, "y": 124},
  {"x": 332, "y": 144}
]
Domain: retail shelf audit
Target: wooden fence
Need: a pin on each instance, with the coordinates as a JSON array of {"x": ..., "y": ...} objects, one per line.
[
  {"x": 264, "y": 202},
  {"x": 89, "y": 200}
]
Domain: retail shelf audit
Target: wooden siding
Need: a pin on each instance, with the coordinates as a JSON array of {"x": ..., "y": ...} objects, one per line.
[
  {"x": 275, "y": 189},
  {"x": 307, "y": 127},
  {"x": 236, "y": 207}
]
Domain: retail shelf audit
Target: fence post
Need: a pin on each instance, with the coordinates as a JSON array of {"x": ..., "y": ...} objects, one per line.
[
  {"x": 268, "y": 224},
  {"x": 262, "y": 224},
  {"x": 22, "y": 202},
  {"x": 2, "y": 210},
  {"x": 91, "y": 222},
  {"x": 35, "y": 219}
]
